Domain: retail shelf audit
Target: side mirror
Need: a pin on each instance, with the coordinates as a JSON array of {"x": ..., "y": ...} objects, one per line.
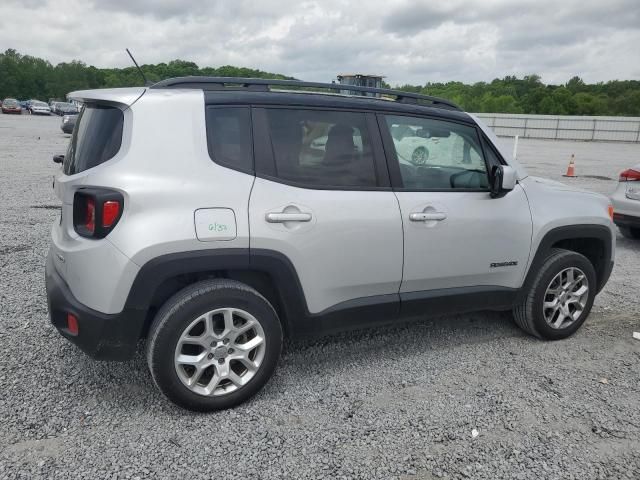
[
  {"x": 58, "y": 158},
  {"x": 503, "y": 180}
]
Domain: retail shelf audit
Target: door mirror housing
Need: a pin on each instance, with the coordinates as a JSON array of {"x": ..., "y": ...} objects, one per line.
[
  {"x": 503, "y": 180},
  {"x": 58, "y": 158}
]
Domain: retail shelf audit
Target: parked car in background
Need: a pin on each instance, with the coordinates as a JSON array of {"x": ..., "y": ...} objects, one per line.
[
  {"x": 36, "y": 107},
  {"x": 626, "y": 203},
  {"x": 64, "y": 108},
  {"x": 68, "y": 122},
  {"x": 11, "y": 105}
]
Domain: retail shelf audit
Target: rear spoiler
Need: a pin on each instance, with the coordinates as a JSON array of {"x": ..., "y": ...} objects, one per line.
[{"x": 122, "y": 96}]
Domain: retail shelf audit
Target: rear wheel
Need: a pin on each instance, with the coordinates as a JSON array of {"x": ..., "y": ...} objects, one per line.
[
  {"x": 213, "y": 345},
  {"x": 560, "y": 297},
  {"x": 629, "y": 232}
]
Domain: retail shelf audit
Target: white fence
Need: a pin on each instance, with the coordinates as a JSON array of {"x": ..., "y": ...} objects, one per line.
[{"x": 556, "y": 127}]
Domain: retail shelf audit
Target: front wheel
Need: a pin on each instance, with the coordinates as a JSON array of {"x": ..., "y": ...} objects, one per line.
[
  {"x": 214, "y": 345},
  {"x": 560, "y": 297}
]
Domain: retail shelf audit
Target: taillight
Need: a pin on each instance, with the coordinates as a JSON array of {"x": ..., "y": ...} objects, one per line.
[
  {"x": 110, "y": 213},
  {"x": 96, "y": 211},
  {"x": 630, "y": 175}
]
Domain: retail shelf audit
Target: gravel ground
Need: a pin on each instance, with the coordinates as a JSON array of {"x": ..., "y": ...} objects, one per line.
[{"x": 397, "y": 403}]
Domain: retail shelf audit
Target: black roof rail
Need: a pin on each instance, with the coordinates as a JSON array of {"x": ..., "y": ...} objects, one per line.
[{"x": 263, "y": 84}]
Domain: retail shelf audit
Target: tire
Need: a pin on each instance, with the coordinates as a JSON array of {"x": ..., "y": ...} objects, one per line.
[
  {"x": 530, "y": 314},
  {"x": 177, "y": 318},
  {"x": 629, "y": 232}
]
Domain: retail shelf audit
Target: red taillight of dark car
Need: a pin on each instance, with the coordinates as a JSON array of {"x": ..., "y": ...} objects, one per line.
[
  {"x": 630, "y": 175},
  {"x": 96, "y": 211}
]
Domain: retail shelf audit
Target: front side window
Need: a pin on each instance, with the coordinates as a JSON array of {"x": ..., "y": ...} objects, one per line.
[
  {"x": 320, "y": 148},
  {"x": 229, "y": 137},
  {"x": 437, "y": 155}
]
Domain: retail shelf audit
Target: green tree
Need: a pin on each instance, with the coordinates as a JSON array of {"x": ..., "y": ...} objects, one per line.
[{"x": 24, "y": 76}]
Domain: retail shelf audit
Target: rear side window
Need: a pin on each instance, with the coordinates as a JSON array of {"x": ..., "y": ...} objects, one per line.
[
  {"x": 320, "y": 148},
  {"x": 96, "y": 138},
  {"x": 229, "y": 137}
]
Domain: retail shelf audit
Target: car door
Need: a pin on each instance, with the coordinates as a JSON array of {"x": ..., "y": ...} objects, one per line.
[
  {"x": 322, "y": 198},
  {"x": 455, "y": 234}
]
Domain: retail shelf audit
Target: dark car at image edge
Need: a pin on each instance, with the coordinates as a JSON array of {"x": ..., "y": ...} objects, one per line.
[{"x": 68, "y": 122}]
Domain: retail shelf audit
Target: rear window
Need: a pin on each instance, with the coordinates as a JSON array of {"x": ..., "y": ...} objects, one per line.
[{"x": 96, "y": 138}]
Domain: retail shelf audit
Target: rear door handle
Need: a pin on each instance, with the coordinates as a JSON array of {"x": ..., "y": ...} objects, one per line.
[
  {"x": 288, "y": 217},
  {"x": 427, "y": 217}
]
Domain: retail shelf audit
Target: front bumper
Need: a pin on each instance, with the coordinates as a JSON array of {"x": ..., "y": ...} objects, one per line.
[
  {"x": 101, "y": 336},
  {"x": 628, "y": 221}
]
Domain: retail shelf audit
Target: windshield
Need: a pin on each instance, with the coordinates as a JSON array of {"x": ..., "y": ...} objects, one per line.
[
  {"x": 10, "y": 101},
  {"x": 38, "y": 103},
  {"x": 96, "y": 138}
]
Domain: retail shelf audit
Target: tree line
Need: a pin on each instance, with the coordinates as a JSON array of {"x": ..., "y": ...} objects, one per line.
[
  {"x": 529, "y": 95},
  {"x": 25, "y": 77}
]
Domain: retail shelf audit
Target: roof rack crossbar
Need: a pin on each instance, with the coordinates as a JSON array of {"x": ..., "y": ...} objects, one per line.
[{"x": 219, "y": 83}]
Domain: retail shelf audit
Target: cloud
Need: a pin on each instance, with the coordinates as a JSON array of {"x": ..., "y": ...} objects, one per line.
[{"x": 408, "y": 41}]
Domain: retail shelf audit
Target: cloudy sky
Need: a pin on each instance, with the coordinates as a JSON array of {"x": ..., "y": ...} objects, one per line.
[{"x": 407, "y": 41}]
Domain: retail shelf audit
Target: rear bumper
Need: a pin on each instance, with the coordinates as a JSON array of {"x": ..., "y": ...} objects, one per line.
[
  {"x": 629, "y": 221},
  {"x": 101, "y": 336}
]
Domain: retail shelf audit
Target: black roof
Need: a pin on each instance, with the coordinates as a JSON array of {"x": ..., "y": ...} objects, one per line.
[{"x": 227, "y": 85}]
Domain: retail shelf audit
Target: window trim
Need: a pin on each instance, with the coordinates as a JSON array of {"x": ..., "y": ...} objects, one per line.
[
  {"x": 265, "y": 162},
  {"x": 252, "y": 169},
  {"x": 393, "y": 164}
]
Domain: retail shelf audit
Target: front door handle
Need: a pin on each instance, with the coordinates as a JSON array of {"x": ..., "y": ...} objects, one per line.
[
  {"x": 288, "y": 217},
  {"x": 427, "y": 217}
]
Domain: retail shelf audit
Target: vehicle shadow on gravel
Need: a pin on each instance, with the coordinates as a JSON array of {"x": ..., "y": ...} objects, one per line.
[{"x": 129, "y": 384}]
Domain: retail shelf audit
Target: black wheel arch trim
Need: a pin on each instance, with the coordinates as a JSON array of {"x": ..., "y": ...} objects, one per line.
[
  {"x": 355, "y": 313},
  {"x": 572, "y": 232},
  {"x": 358, "y": 312},
  {"x": 165, "y": 267}
]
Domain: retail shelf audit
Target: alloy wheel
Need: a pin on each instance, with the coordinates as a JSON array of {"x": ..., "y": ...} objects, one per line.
[
  {"x": 220, "y": 351},
  {"x": 566, "y": 298}
]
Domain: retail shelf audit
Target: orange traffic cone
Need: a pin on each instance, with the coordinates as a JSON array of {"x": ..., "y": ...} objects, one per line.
[{"x": 571, "y": 169}]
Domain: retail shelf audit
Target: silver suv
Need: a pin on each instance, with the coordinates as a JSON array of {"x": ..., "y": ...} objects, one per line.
[{"x": 215, "y": 216}]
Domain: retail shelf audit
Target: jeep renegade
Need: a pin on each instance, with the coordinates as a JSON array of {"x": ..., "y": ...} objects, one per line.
[{"x": 215, "y": 216}]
